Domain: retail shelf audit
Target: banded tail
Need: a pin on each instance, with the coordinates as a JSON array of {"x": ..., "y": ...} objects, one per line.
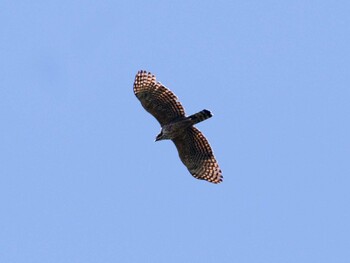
[{"x": 200, "y": 116}]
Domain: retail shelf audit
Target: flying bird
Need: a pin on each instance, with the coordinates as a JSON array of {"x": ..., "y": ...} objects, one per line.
[{"x": 193, "y": 148}]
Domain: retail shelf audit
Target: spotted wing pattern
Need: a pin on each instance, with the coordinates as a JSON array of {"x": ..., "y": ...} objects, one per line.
[
  {"x": 197, "y": 155},
  {"x": 157, "y": 99}
]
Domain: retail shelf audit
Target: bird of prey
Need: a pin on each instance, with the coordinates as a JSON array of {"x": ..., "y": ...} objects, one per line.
[{"x": 193, "y": 148}]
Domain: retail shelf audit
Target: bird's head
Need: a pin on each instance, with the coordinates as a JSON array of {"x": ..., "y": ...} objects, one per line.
[{"x": 159, "y": 137}]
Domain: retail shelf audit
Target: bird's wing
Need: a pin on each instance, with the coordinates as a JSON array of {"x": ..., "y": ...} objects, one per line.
[
  {"x": 197, "y": 155},
  {"x": 157, "y": 99}
]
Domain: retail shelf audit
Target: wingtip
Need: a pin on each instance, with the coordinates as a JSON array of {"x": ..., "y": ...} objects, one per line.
[
  {"x": 218, "y": 180},
  {"x": 142, "y": 71}
]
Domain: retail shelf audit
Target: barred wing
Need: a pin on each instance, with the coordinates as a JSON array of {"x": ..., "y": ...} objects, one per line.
[
  {"x": 157, "y": 99},
  {"x": 197, "y": 155}
]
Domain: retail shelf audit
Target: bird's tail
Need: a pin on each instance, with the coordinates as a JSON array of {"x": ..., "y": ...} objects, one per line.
[{"x": 200, "y": 116}]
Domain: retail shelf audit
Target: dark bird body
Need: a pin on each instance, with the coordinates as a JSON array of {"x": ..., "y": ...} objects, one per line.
[{"x": 176, "y": 128}]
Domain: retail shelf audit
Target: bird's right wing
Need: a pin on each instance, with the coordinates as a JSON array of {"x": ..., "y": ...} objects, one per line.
[
  {"x": 197, "y": 155},
  {"x": 157, "y": 99}
]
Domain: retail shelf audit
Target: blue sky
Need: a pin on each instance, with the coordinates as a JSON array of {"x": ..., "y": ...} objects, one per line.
[{"x": 81, "y": 179}]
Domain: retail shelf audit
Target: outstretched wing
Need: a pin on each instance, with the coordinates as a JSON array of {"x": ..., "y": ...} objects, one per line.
[
  {"x": 197, "y": 155},
  {"x": 157, "y": 99}
]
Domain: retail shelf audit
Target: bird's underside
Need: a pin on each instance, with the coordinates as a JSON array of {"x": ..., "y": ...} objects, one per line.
[{"x": 193, "y": 148}]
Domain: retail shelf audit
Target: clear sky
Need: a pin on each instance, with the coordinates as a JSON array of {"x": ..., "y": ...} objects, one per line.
[{"x": 81, "y": 178}]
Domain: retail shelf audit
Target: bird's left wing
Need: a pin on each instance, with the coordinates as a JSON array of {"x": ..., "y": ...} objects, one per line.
[{"x": 157, "y": 99}]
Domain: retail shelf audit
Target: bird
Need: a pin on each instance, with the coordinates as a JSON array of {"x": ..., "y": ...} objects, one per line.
[{"x": 193, "y": 148}]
